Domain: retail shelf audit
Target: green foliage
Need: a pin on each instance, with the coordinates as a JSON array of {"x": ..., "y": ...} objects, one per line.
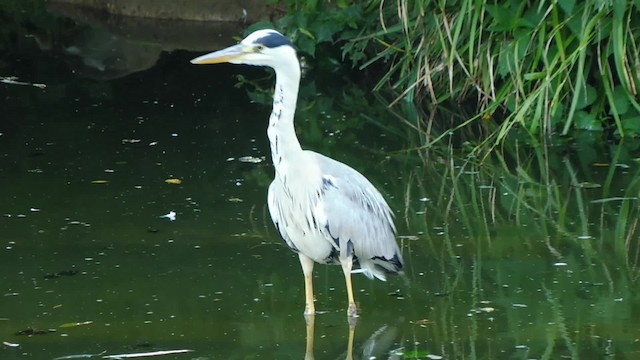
[
  {"x": 311, "y": 24},
  {"x": 546, "y": 66}
]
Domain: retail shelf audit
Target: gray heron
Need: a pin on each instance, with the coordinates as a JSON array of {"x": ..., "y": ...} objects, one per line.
[{"x": 325, "y": 211}]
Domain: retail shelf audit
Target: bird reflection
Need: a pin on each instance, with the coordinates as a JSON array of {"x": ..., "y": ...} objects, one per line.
[
  {"x": 378, "y": 344},
  {"x": 311, "y": 323}
]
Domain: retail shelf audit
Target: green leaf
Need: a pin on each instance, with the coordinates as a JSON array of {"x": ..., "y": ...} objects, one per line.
[
  {"x": 587, "y": 97},
  {"x": 567, "y": 6},
  {"x": 504, "y": 62},
  {"x": 258, "y": 26},
  {"x": 631, "y": 125},
  {"x": 587, "y": 121},
  {"x": 324, "y": 33},
  {"x": 575, "y": 24},
  {"x": 620, "y": 100},
  {"x": 306, "y": 45},
  {"x": 503, "y": 18},
  {"x": 310, "y": 5},
  {"x": 307, "y": 33}
]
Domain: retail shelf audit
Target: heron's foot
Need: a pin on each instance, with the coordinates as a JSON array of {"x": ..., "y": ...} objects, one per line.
[{"x": 352, "y": 311}]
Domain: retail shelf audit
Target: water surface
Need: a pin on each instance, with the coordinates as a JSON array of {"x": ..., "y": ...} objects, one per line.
[{"x": 533, "y": 255}]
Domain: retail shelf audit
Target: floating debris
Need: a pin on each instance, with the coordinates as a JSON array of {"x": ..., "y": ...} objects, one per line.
[
  {"x": 6, "y": 343},
  {"x": 101, "y": 181},
  {"x": 76, "y": 222},
  {"x": 171, "y": 215},
  {"x": 70, "y": 272},
  {"x": 14, "y": 81},
  {"x": 32, "y": 331},
  {"x": 485, "y": 309},
  {"x": 251, "y": 159},
  {"x": 147, "y": 354},
  {"x": 173, "y": 181},
  {"x": 421, "y": 322},
  {"x": 74, "y": 324},
  {"x": 79, "y": 356},
  {"x": 560, "y": 264}
]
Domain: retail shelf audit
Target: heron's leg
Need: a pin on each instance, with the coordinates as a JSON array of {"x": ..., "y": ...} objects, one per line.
[
  {"x": 307, "y": 270},
  {"x": 310, "y": 320},
  {"x": 347, "y": 264}
]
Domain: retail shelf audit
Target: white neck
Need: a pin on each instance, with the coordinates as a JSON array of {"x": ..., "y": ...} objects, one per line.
[{"x": 281, "y": 131}]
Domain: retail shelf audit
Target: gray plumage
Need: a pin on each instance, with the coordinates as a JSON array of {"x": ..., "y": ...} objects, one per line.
[
  {"x": 324, "y": 210},
  {"x": 334, "y": 206}
]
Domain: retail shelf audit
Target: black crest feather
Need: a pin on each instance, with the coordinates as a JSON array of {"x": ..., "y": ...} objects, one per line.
[{"x": 273, "y": 40}]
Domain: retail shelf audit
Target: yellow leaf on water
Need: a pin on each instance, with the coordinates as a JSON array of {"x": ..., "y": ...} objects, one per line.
[
  {"x": 100, "y": 182},
  {"x": 173, "y": 181}
]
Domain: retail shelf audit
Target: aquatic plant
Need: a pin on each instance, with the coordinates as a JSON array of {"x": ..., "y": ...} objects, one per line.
[{"x": 549, "y": 67}]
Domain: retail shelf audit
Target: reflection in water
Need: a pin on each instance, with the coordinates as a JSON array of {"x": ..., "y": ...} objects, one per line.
[
  {"x": 98, "y": 54},
  {"x": 379, "y": 344},
  {"x": 104, "y": 45},
  {"x": 177, "y": 32},
  {"x": 311, "y": 324}
]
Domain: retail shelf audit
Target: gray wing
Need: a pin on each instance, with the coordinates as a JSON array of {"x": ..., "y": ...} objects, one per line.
[{"x": 352, "y": 214}]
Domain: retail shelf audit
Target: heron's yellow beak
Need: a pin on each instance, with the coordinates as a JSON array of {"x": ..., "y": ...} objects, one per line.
[{"x": 235, "y": 52}]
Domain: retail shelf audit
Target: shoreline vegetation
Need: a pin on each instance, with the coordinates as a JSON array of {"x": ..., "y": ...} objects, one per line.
[
  {"x": 543, "y": 67},
  {"x": 483, "y": 72}
]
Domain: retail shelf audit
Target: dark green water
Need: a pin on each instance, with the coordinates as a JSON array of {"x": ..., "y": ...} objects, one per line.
[{"x": 534, "y": 256}]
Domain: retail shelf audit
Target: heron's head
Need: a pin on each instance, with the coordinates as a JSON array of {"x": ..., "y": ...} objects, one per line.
[{"x": 263, "y": 48}]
